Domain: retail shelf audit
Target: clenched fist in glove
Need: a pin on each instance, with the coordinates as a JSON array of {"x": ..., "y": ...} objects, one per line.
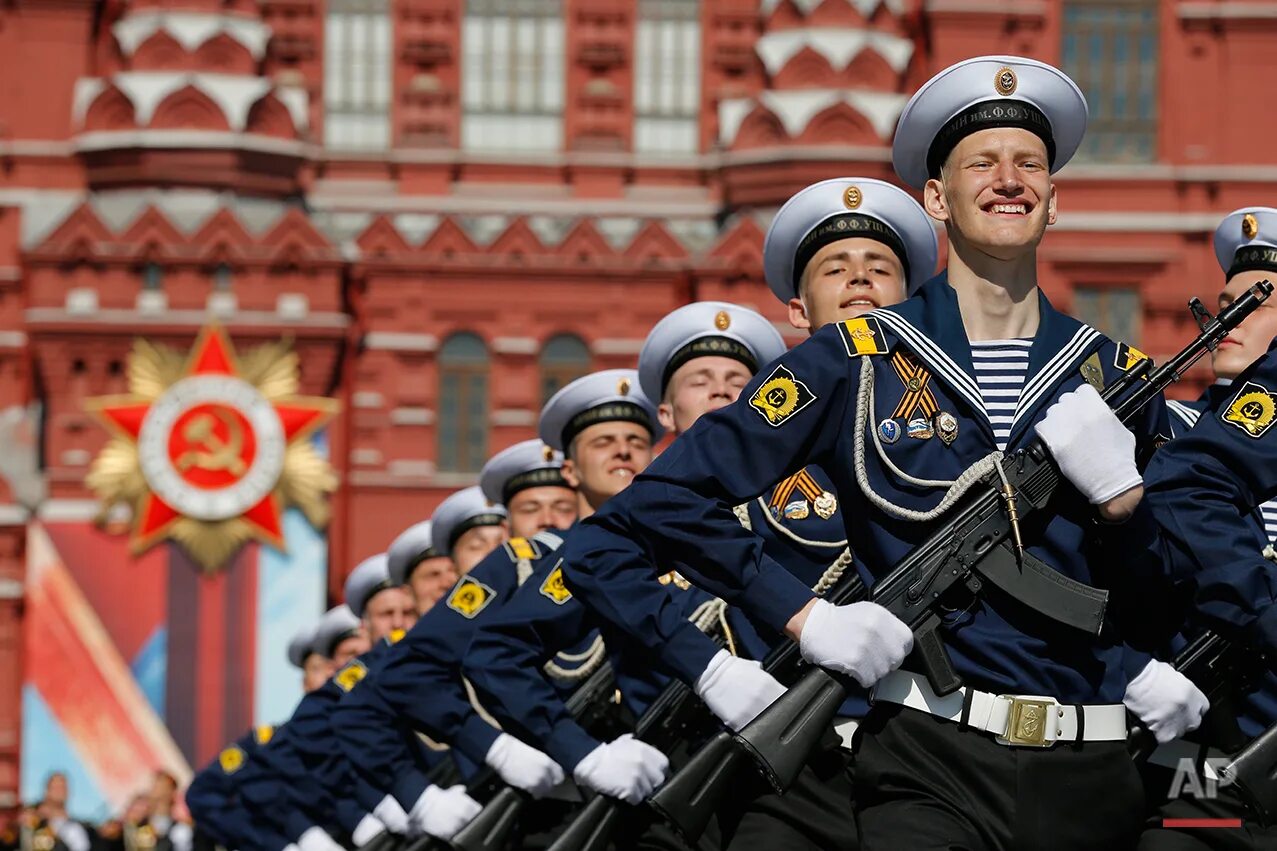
[
  {"x": 523, "y": 767},
  {"x": 624, "y": 768},
  {"x": 1166, "y": 701},
  {"x": 736, "y": 689},
  {"x": 389, "y": 813},
  {"x": 1094, "y": 450},
  {"x": 442, "y": 812},
  {"x": 863, "y": 640}
]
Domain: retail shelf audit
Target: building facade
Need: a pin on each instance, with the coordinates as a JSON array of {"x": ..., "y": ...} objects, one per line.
[{"x": 455, "y": 206}]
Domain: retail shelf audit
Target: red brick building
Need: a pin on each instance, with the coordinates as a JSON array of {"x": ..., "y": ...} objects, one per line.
[{"x": 454, "y": 206}]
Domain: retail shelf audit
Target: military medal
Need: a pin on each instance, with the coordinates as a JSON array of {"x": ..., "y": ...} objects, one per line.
[
  {"x": 889, "y": 431},
  {"x": 920, "y": 429},
  {"x": 825, "y": 504},
  {"x": 947, "y": 427},
  {"x": 796, "y": 510}
]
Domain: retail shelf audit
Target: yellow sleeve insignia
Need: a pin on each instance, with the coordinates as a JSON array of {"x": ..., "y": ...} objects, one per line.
[
  {"x": 781, "y": 396},
  {"x": 231, "y": 760},
  {"x": 470, "y": 597},
  {"x": 1252, "y": 410},
  {"x": 863, "y": 336},
  {"x": 264, "y": 734},
  {"x": 554, "y": 588},
  {"x": 350, "y": 676},
  {"x": 1127, "y": 357},
  {"x": 521, "y": 548}
]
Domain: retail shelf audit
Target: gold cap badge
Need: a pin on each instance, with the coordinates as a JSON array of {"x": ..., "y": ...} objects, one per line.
[
  {"x": 623, "y": 386},
  {"x": 547, "y": 452},
  {"x": 1004, "y": 82},
  {"x": 852, "y": 196},
  {"x": 722, "y": 321},
  {"x": 1250, "y": 226}
]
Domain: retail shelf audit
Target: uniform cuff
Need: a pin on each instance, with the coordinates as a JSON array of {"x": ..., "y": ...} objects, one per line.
[
  {"x": 1134, "y": 662},
  {"x": 475, "y": 738},
  {"x": 407, "y": 789},
  {"x": 775, "y": 596},
  {"x": 568, "y": 744},
  {"x": 687, "y": 652},
  {"x": 295, "y": 824}
]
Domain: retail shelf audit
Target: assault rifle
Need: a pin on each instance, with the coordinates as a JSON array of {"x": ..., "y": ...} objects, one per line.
[
  {"x": 491, "y": 828},
  {"x": 979, "y": 543},
  {"x": 1253, "y": 773}
]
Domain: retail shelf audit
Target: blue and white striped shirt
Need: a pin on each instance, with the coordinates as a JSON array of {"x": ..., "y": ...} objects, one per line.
[{"x": 1000, "y": 369}]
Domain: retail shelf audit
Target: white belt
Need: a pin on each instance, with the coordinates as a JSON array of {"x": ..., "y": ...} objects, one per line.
[
  {"x": 1174, "y": 753},
  {"x": 1014, "y": 719},
  {"x": 846, "y": 726}
]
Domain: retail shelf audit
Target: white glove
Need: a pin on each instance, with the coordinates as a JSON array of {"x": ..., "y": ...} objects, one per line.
[
  {"x": 523, "y": 767},
  {"x": 368, "y": 829},
  {"x": 1094, "y": 450},
  {"x": 442, "y": 812},
  {"x": 862, "y": 639},
  {"x": 317, "y": 839},
  {"x": 292, "y": 846},
  {"x": 736, "y": 689},
  {"x": 624, "y": 768},
  {"x": 392, "y": 815},
  {"x": 1166, "y": 701}
]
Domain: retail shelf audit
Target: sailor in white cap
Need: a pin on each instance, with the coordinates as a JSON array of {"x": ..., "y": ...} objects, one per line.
[
  {"x": 842, "y": 247},
  {"x": 527, "y": 479},
  {"x": 382, "y": 603},
  {"x": 340, "y": 635},
  {"x": 1246, "y": 248},
  {"x": 414, "y": 562},
  {"x": 314, "y": 666},
  {"x": 468, "y": 526},
  {"x": 892, "y": 406}
]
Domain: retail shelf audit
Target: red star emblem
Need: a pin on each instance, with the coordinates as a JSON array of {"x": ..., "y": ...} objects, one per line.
[{"x": 211, "y": 440}]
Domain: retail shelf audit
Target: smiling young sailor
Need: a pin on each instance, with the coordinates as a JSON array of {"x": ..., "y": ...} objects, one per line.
[{"x": 981, "y": 140}]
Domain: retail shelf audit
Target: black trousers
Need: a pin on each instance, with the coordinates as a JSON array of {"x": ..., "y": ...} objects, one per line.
[
  {"x": 1251, "y": 836},
  {"x": 815, "y": 814},
  {"x": 923, "y": 783}
]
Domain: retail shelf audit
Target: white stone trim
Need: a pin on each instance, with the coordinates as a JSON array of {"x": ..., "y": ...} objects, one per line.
[
  {"x": 366, "y": 457},
  {"x": 1138, "y": 221},
  {"x": 839, "y": 46},
  {"x": 989, "y": 7},
  {"x": 367, "y": 399},
  {"x": 617, "y": 346},
  {"x": 513, "y": 417},
  {"x": 104, "y": 140},
  {"x": 12, "y": 514},
  {"x": 116, "y": 316},
  {"x": 12, "y": 339},
  {"x": 190, "y": 29},
  {"x": 400, "y": 341},
  {"x": 68, "y": 510},
  {"x": 10, "y": 589},
  {"x": 515, "y": 345},
  {"x": 412, "y": 416},
  {"x": 85, "y": 92},
  {"x": 795, "y": 108},
  {"x": 864, "y": 7},
  {"x": 422, "y": 467},
  {"x": 75, "y": 457},
  {"x": 1230, "y": 10}
]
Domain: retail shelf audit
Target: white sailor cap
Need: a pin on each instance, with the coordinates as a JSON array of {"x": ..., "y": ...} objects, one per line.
[
  {"x": 703, "y": 329},
  {"x": 413, "y": 546},
  {"x": 529, "y": 464},
  {"x": 843, "y": 208},
  {"x": 1246, "y": 240},
  {"x": 600, "y": 397},
  {"x": 461, "y": 512},
  {"x": 984, "y": 92},
  {"x": 370, "y": 577},
  {"x": 335, "y": 626},
  {"x": 302, "y": 645}
]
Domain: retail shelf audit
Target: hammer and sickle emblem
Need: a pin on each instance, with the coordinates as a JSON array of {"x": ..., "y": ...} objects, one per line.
[{"x": 213, "y": 452}]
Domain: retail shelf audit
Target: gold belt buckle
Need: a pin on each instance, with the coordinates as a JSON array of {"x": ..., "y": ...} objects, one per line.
[{"x": 1027, "y": 721}]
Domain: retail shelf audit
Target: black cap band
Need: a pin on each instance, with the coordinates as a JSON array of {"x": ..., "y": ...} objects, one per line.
[
  {"x": 1251, "y": 257},
  {"x": 485, "y": 519},
  {"x": 418, "y": 558},
  {"x": 983, "y": 116},
  {"x": 542, "y": 477},
  {"x": 338, "y": 639},
  {"x": 712, "y": 345},
  {"x": 607, "y": 412},
  {"x": 846, "y": 226}
]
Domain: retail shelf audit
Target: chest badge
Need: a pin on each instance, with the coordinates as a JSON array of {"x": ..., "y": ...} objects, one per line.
[
  {"x": 797, "y": 510},
  {"x": 920, "y": 428},
  {"x": 946, "y": 427},
  {"x": 825, "y": 505},
  {"x": 889, "y": 431}
]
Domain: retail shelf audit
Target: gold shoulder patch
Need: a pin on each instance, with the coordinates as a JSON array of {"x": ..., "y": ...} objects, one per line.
[
  {"x": 350, "y": 676},
  {"x": 863, "y": 336},
  {"x": 1127, "y": 357},
  {"x": 264, "y": 734},
  {"x": 231, "y": 760},
  {"x": 395, "y": 636},
  {"x": 554, "y": 588},
  {"x": 470, "y": 597},
  {"x": 1092, "y": 373},
  {"x": 520, "y": 548},
  {"x": 781, "y": 396},
  {"x": 1253, "y": 410}
]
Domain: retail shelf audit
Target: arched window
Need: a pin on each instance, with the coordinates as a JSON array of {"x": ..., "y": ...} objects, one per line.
[
  {"x": 563, "y": 359},
  {"x": 463, "y": 404}
]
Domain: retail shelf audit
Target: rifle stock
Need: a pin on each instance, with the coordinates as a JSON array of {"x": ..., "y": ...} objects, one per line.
[
  {"x": 592, "y": 828},
  {"x": 1253, "y": 773},
  {"x": 950, "y": 557},
  {"x": 689, "y": 799},
  {"x": 384, "y": 841},
  {"x": 489, "y": 830}
]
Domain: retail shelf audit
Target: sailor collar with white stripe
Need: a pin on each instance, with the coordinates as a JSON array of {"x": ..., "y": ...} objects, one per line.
[{"x": 930, "y": 325}]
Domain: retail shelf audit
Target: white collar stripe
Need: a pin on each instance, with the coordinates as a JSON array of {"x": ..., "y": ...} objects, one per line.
[
  {"x": 1184, "y": 412},
  {"x": 934, "y": 355},
  {"x": 1055, "y": 368}
]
